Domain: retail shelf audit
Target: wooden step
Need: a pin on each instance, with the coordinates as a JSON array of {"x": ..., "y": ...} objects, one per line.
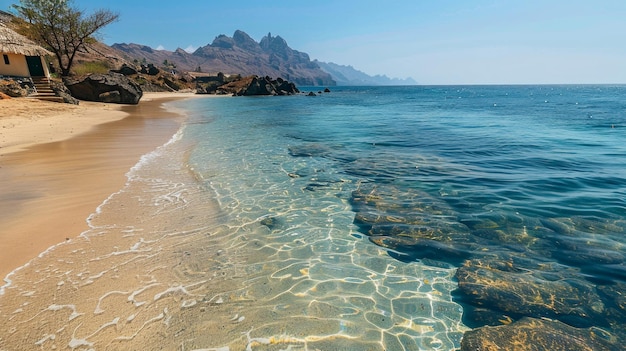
[
  {"x": 43, "y": 91},
  {"x": 51, "y": 98}
]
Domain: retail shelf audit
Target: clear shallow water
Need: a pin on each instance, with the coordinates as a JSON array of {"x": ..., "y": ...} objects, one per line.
[
  {"x": 443, "y": 177},
  {"x": 367, "y": 218}
]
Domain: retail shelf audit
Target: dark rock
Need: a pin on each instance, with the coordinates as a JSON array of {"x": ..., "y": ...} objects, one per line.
[
  {"x": 538, "y": 289},
  {"x": 61, "y": 90},
  {"x": 112, "y": 87},
  {"x": 388, "y": 205},
  {"x": 327, "y": 90},
  {"x": 253, "y": 85},
  {"x": 529, "y": 334},
  {"x": 126, "y": 70},
  {"x": 311, "y": 94},
  {"x": 614, "y": 296},
  {"x": 267, "y": 86},
  {"x": 171, "y": 84},
  {"x": 259, "y": 86},
  {"x": 150, "y": 69},
  {"x": 595, "y": 246},
  {"x": 411, "y": 223},
  {"x": 16, "y": 87},
  {"x": 578, "y": 244},
  {"x": 271, "y": 222},
  {"x": 110, "y": 97},
  {"x": 284, "y": 87},
  {"x": 419, "y": 248},
  {"x": 208, "y": 87}
]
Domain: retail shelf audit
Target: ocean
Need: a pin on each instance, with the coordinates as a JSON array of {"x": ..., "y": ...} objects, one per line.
[{"x": 366, "y": 218}]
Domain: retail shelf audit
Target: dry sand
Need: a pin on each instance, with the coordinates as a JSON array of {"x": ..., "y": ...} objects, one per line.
[{"x": 59, "y": 162}]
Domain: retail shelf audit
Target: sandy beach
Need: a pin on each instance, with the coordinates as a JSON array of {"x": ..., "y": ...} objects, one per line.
[{"x": 59, "y": 162}]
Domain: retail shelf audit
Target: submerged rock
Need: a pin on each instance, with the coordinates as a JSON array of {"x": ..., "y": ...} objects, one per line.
[
  {"x": 537, "y": 290},
  {"x": 412, "y": 223},
  {"x": 614, "y": 296},
  {"x": 530, "y": 334},
  {"x": 309, "y": 150}
]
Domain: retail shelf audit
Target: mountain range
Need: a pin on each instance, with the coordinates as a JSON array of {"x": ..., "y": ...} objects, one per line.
[
  {"x": 240, "y": 54},
  {"x": 348, "y": 75}
]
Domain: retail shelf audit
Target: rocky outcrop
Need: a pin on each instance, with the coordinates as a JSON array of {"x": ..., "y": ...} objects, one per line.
[
  {"x": 250, "y": 86},
  {"x": 268, "y": 86},
  {"x": 16, "y": 87},
  {"x": 112, "y": 87}
]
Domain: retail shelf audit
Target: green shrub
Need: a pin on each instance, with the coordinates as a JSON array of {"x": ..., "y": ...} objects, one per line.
[{"x": 85, "y": 68}]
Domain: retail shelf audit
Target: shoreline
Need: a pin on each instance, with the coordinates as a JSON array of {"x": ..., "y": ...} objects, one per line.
[{"x": 59, "y": 162}]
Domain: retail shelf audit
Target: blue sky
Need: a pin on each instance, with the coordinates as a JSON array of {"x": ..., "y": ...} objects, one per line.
[{"x": 434, "y": 42}]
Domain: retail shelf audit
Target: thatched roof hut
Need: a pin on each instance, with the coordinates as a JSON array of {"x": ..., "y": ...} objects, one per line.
[
  {"x": 20, "y": 56},
  {"x": 14, "y": 43}
]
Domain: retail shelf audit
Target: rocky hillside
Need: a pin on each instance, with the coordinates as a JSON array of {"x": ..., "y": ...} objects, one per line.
[
  {"x": 239, "y": 54},
  {"x": 348, "y": 75}
]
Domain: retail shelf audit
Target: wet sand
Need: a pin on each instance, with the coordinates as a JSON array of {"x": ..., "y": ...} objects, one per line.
[{"x": 59, "y": 162}]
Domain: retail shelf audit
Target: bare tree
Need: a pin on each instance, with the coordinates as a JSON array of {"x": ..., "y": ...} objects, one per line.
[{"x": 61, "y": 27}]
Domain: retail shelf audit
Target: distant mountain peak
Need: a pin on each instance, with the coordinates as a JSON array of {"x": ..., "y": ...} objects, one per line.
[
  {"x": 277, "y": 44},
  {"x": 348, "y": 75},
  {"x": 244, "y": 41},
  {"x": 223, "y": 41}
]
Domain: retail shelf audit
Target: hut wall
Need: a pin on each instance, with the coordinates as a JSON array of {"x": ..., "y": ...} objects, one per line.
[{"x": 17, "y": 65}]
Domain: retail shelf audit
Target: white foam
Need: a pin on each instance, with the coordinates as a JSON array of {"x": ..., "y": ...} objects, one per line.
[
  {"x": 74, "y": 343},
  {"x": 132, "y": 296},
  {"x": 60, "y": 307},
  {"x": 149, "y": 321},
  {"x": 132, "y": 173},
  {"x": 45, "y": 338},
  {"x": 179, "y": 288},
  {"x": 98, "y": 310},
  {"x": 188, "y": 303}
]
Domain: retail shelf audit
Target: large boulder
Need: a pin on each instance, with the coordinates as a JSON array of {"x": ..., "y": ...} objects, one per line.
[{"x": 111, "y": 87}]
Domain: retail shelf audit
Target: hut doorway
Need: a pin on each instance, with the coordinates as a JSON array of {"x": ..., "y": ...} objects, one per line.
[{"x": 35, "y": 66}]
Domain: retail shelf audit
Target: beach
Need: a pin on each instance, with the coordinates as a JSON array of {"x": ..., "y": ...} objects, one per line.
[{"x": 58, "y": 162}]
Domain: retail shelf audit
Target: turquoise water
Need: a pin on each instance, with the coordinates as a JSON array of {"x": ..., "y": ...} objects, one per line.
[
  {"x": 532, "y": 175},
  {"x": 387, "y": 218}
]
